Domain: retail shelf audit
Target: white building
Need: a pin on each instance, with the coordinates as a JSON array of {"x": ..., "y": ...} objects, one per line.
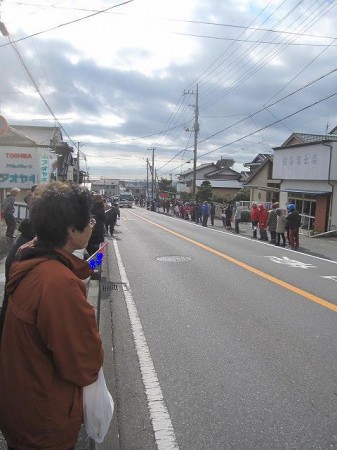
[
  {"x": 306, "y": 166},
  {"x": 107, "y": 187}
]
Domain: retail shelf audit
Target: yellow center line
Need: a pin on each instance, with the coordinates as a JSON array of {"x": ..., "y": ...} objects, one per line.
[{"x": 252, "y": 269}]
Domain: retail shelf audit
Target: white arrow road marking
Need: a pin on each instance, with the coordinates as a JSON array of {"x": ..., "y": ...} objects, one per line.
[
  {"x": 290, "y": 262},
  {"x": 330, "y": 277}
]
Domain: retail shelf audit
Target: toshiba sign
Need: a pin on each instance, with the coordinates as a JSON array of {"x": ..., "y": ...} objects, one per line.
[
  {"x": 19, "y": 155},
  {"x": 20, "y": 167}
]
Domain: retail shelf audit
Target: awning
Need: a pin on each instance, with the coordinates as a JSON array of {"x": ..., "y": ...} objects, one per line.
[
  {"x": 299, "y": 191},
  {"x": 262, "y": 188},
  {"x": 302, "y": 191}
]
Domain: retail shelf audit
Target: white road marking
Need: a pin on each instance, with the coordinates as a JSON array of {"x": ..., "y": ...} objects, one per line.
[
  {"x": 290, "y": 262},
  {"x": 330, "y": 277},
  {"x": 161, "y": 421}
]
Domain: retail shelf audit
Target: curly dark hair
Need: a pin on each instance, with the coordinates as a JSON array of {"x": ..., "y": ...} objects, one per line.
[{"x": 57, "y": 206}]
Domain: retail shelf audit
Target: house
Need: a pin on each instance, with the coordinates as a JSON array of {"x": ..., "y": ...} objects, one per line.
[
  {"x": 31, "y": 155},
  {"x": 225, "y": 181},
  {"x": 306, "y": 165},
  {"x": 263, "y": 188},
  {"x": 257, "y": 161}
]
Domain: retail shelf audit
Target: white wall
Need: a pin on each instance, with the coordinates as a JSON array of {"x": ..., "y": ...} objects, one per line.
[{"x": 309, "y": 162}]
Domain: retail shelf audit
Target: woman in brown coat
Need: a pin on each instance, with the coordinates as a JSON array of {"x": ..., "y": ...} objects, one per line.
[{"x": 50, "y": 346}]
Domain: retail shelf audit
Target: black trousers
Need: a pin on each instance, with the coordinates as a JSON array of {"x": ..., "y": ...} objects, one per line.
[
  {"x": 11, "y": 224},
  {"x": 110, "y": 227}
]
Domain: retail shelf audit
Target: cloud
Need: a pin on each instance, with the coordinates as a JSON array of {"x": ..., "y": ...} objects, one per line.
[{"x": 117, "y": 78}]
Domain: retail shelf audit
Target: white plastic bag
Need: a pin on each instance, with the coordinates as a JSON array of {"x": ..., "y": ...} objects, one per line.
[{"x": 98, "y": 408}]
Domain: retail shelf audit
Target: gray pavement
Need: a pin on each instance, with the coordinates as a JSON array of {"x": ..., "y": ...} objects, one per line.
[
  {"x": 323, "y": 247},
  {"x": 319, "y": 246}
]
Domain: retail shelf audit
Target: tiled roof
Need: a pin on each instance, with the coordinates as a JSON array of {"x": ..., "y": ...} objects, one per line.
[{"x": 305, "y": 137}]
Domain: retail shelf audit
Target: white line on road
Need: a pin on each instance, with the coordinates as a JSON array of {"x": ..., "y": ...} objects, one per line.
[{"x": 161, "y": 421}]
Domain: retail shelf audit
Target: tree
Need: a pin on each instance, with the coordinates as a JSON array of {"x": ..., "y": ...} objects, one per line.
[
  {"x": 205, "y": 192},
  {"x": 185, "y": 197},
  {"x": 243, "y": 195},
  {"x": 165, "y": 185}
]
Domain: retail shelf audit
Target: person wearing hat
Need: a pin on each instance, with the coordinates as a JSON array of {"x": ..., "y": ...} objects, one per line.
[
  {"x": 293, "y": 223},
  {"x": 8, "y": 210},
  {"x": 28, "y": 198}
]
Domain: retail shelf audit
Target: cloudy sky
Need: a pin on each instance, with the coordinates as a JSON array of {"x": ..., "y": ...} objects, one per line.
[{"x": 122, "y": 78}]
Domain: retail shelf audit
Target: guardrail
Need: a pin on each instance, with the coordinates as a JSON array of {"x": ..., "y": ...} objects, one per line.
[{"x": 20, "y": 211}]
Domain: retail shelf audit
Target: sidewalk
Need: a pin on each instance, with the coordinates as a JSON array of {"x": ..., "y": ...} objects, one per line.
[{"x": 322, "y": 247}]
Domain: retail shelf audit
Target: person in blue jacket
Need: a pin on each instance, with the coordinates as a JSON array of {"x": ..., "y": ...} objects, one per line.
[
  {"x": 293, "y": 223},
  {"x": 205, "y": 213}
]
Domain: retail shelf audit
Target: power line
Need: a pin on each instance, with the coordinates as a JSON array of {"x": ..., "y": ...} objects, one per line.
[
  {"x": 270, "y": 125},
  {"x": 271, "y": 104},
  {"x": 303, "y": 44},
  {"x": 261, "y": 63},
  {"x": 70, "y": 22},
  {"x": 196, "y": 22}
]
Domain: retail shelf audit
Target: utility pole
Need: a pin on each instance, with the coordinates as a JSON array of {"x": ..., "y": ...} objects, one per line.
[
  {"x": 147, "y": 179},
  {"x": 152, "y": 173},
  {"x": 78, "y": 163},
  {"x": 156, "y": 184},
  {"x": 196, "y": 131}
]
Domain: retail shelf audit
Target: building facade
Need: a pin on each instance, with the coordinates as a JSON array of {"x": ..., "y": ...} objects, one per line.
[
  {"x": 106, "y": 186},
  {"x": 32, "y": 155},
  {"x": 307, "y": 167}
]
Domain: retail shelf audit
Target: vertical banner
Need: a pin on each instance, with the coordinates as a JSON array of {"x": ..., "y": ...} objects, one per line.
[
  {"x": 70, "y": 173},
  {"x": 44, "y": 168}
]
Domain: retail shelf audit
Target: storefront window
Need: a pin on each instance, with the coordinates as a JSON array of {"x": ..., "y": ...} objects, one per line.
[{"x": 307, "y": 209}]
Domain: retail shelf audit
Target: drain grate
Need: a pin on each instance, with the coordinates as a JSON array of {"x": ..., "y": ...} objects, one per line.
[
  {"x": 173, "y": 258},
  {"x": 111, "y": 286}
]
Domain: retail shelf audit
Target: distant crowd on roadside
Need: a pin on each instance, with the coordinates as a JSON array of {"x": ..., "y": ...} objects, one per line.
[{"x": 281, "y": 225}]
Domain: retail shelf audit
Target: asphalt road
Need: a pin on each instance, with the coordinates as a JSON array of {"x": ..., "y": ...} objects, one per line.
[
  {"x": 215, "y": 340},
  {"x": 241, "y": 337}
]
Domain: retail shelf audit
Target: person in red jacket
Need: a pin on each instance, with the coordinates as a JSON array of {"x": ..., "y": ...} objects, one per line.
[
  {"x": 50, "y": 346},
  {"x": 263, "y": 217},
  {"x": 254, "y": 218}
]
